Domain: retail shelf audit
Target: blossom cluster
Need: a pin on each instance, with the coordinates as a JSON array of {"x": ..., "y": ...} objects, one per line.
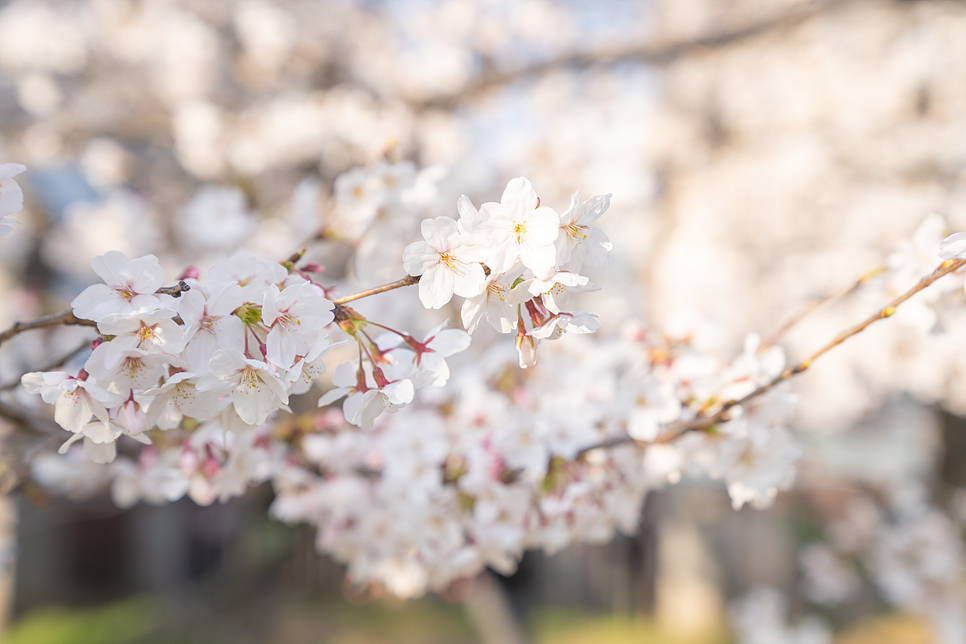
[
  {"x": 510, "y": 257},
  {"x": 413, "y": 492},
  {"x": 499, "y": 461},
  {"x": 233, "y": 347}
]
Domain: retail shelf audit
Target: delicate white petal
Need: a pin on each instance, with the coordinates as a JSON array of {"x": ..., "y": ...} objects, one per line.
[{"x": 953, "y": 247}]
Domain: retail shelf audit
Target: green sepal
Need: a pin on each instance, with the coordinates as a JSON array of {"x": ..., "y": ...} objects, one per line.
[{"x": 250, "y": 314}]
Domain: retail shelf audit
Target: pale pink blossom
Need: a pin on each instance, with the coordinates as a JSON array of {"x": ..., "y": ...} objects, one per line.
[
  {"x": 309, "y": 367},
  {"x": 253, "y": 275},
  {"x": 209, "y": 324},
  {"x": 178, "y": 397},
  {"x": 498, "y": 302},
  {"x": 255, "y": 389},
  {"x": 128, "y": 288},
  {"x": 136, "y": 370},
  {"x": 152, "y": 332},
  {"x": 75, "y": 401},
  {"x": 521, "y": 229},
  {"x": 555, "y": 289},
  {"x": 365, "y": 399},
  {"x": 294, "y": 317},
  {"x": 448, "y": 261},
  {"x": 579, "y": 243}
]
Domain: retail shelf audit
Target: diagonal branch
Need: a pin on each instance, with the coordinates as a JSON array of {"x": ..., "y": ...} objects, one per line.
[
  {"x": 649, "y": 53},
  {"x": 817, "y": 304},
  {"x": 67, "y": 317},
  {"x": 409, "y": 280},
  {"x": 21, "y": 419},
  {"x": 53, "y": 364},
  {"x": 674, "y": 430}
]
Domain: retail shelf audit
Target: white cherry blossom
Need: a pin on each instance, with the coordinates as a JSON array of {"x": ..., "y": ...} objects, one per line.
[
  {"x": 128, "y": 288},
  {"x": 255, "y": 389},
  {"x": 365, "y": 400},
  {"x": 153, "y": 333},
  {"x": 471, "y": 220},
  {"x": 209, "y": 324},
  {"x": 136, "y": 370},
  {"x": 253, "y": 274},
  {"x": 953, "y": 247},
  {"x": 556, "y": 289},
  {"x": 578, "y": 322},
  {"x": 498, "y": 302},
  {"x": 430, "y": 354},
  {"x": 178, "y": 397},
  {"x": 579, "y": 243},
  {"x": 75, "y": 400},
  {"x": 309, "y": 367},
  {"x": 521, "y": 229},
  {"x": 448, "y": 261},
  {"x": 295, "y": 316}
]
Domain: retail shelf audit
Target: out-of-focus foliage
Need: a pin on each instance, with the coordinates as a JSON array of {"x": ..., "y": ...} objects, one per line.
[{"x": 120, "y": 623}]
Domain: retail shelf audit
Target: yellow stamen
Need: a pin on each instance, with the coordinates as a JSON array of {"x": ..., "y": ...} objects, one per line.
[
  {"x": 448, "y": 260},
  {"x": 577, "y": 232}
]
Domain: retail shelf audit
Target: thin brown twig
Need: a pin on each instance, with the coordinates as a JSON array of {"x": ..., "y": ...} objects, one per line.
[
  {"x": 817, "y": 304},
  {"x": 67, "y": 317},
  {"x": 53, "y": 364},
  {"x": 21, "y": 419},
  {"x": 674, "y": 430},
  {"x": 647, "y": 53},
  {"x": 409, "y": 280}
]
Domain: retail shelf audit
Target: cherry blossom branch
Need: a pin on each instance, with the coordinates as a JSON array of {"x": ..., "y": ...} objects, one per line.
[
  {"x": 17, "y": 417},
  {"x": 67, "y": 317},
  {"x": 817, "y": 304},
  {"x": 674, "y": 430},
  {"x": 650, "y": 53},
  {"x": 50, "y": 366},
  {"x": 409, "y": 280}
]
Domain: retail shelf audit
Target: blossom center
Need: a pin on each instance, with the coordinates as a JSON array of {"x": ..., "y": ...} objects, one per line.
[
  {"x": 134, "y": 366},
  {"x": 250, "y": 380},
  {"x": 498, "y": 290},
  {"x": 578, "y": 233},
  {"x": 519, "y": 230},
  {"x": 285, "y": 320},
  {"x": 145, "y": 334},
  {"x": 448, "y": 260}
]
